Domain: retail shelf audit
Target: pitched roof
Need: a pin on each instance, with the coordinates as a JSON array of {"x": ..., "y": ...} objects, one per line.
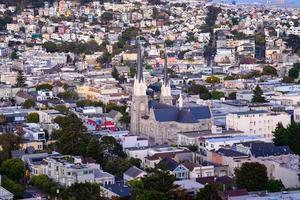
[
  {"x": 169, "y": 163},
  {"x": 233, "y": 193},
  {"x": 230, "y": 153},
  {"x": 133, "y": 172},
  {"x": 191, "y": 165},
  {"x": 264, "y": 149},
  {"x": 191, "y": 114},
  {"x": 119, "y": 188}
]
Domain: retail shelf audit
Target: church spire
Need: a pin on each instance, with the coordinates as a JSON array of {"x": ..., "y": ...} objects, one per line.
[
  {"x": 166, "y": 78},
  {"x": 165, "y": 96},
  {"x": 140, "y": 77}
]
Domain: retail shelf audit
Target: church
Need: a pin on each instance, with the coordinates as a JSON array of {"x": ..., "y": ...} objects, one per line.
[{"x": 161, "y": 120}]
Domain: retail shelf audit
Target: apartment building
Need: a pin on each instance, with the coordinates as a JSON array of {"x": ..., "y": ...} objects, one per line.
[{"x": 257, "y": 122}]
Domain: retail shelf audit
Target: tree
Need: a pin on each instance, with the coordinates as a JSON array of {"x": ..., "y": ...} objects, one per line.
[
  {"x": 50, "y": 46},
  {"x": 117, "y": 166},
  {"x": 275, "y": 186},
  {"x": 15, "y": 188},
  {"x": 294, "y": 71},
  {"x": 232, "y": 96},
  {"x": 115, "y": 74},
  {"x": 169, "y": 43},
  {"x": 199, "y": 89},
  {"x": 269, "y": 70},
  {"x": 107, "y": 16},
  {"x": 14, "y": 55},
  {"x": 289, "y": 136},
  {"x": 21, "y": 79},
  {"x": 33, "y": 118},
  {"x": 157, "y": 185},
  {"x": 61, "y": 108},
  {"x": 132, "y": 71},
  {"x": 29, "y": 103},
  {"x": 217, "y": 94},
  {"x": 8, "y": 143},
  {"x": 82, "y": 191},
  {"x": 229, "y": 77},
  {"x": 212, "y": 80},
  {"x": 73, "y": 139},
  {"x": 252, "y": 176},
  {"x": 209, "y": 192},
  {"x": 44, "y": 183},
  {"x": 13, "y": 169},
  {"x": 287, "y": 79},
  {"x": 280, "y": 134},
  {"x": 257, "y": 95},
  {"x": 44, "y": 86}
]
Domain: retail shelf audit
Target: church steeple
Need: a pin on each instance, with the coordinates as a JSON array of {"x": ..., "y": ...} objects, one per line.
[
  {"x": 139, "y": 104},
  {"x": 139, "y": 86},
  {"x": 165, "y": 96},
  {"x": 140, "y": 55}
]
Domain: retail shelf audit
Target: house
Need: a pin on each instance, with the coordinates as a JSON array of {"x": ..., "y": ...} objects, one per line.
[
  {"x": 280, "y": 161},
  {"x": 197, "y": 170},
  {"x": 133, "y": 173},
  {"x": 175, "y": 168},
  {"x": 118, "y": 189},
  {"x": 190, "y": 186},
  {"x": 129, "y": 141}
]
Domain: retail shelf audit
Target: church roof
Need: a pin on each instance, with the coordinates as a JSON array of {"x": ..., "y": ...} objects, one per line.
[{"x": 167, "y": 113}]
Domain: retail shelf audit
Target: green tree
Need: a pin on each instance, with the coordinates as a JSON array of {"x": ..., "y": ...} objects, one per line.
[
  {"x": 199, "y": 89},
  {"x": 29, "y": 103},
  {"x": 117, "y": 166},
  {"x": 82, "y": 191},
  {"x": 258, "y": 95},
  {"x": 33, "y": 118},
  {"x": 287, "y": 79},
  {"x": 212, "y": 80},
  {"x": 44, "y": 183},
  {"x": 232, "y": 96},
  {"x": 275, "y": 186},
  {"x": 209, "y": 192},
  {"x": 50, "y": 46},
  {"x": 115, "y": 74},
  {"x": 169, "y": 43},
  {"x": 280, "y": 135},
  {"x": 21, "y": 79},
  {"x": 73, "y": 139},
  {"x": 157, "y": 185},
  {"x": 269, "y": 70},
  {"x": 289, "y": 136},
  {"x": 44, "y": 86},
  {"x": 15, "y": 188},
  {"x": 13, "y": 169},
  {"x": 107, "y": 16},
  {"x": 61, "y": 108},
  {"x": 229, "y": 77},
  {"x": 14, "y": 55},
  {"x": 217, "y": 94},
  {"x": 132, "y": 71},
  {"x": 294, "y": 71},
  {"x": 8, "y": 143},
  {"x": 252, "y": 176}
]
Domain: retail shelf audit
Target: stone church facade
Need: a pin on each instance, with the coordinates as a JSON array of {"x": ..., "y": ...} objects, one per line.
[{"x": 161, "y": 121}]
